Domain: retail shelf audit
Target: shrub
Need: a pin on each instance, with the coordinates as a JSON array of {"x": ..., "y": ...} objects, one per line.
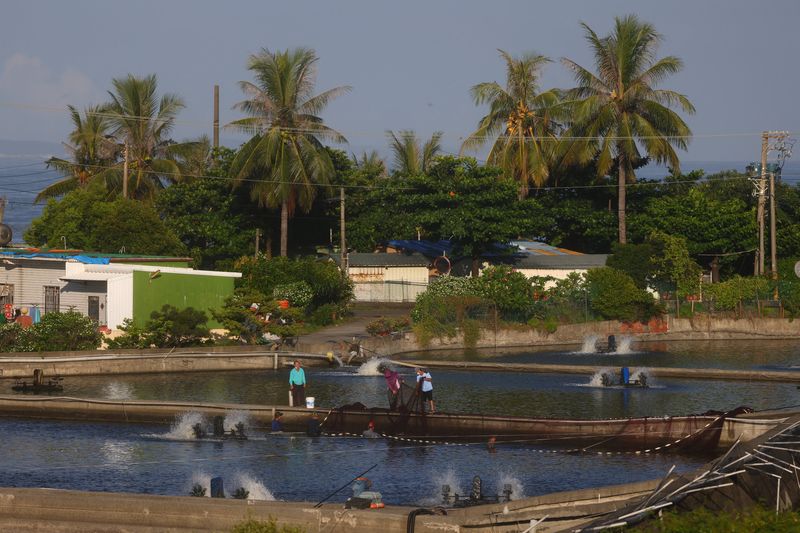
[
  {"x": 384, "y": 326},
  {"x": 64, "y": 332},
  {"x": 299, "y": 293},
  {"x": 168, "y": 328},
  {"x": 251, "y": 525},
  {"x": 614, "y": 295},
  {"x": 510, "y": 290},
  {"x": 325, "y": 315}
]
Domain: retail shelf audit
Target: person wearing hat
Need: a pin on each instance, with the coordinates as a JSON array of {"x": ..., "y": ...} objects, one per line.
[
  {"x": 277, "y": 425},
  {"x": 314, "y": 428},
  {"x": 370, "y": 432}
]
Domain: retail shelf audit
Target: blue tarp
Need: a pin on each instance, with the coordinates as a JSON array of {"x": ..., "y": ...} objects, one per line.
[{"x": 80, "y": 258}]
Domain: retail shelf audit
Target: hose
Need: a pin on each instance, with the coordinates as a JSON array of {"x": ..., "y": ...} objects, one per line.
[{"x": 412, "y": 516}]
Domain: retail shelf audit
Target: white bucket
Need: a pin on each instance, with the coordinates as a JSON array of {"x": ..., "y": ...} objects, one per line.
[{"x": 309, "y": 402}]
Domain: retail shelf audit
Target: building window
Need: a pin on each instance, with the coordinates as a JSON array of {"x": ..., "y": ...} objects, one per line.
[
  {"x": 52, "y": 299},
  {"x": 6, "y": 294},
  {"x": 94, "y": 308}
]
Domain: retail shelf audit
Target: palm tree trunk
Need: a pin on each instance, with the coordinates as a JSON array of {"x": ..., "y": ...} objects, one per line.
[
  {"x": 621, "y": 202},
  {"x": 284, "y": 226}
]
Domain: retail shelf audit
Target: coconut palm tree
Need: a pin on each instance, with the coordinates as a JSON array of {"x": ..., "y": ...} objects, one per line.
[
  {"x": 370, "y": 163},
  {"x": 410, "y": 157},
  {"x": 143, "y": 121},
  {"x": 285, "y": 159},
  {"x": 93, "y": 151},
  {"x": 620, "y": 109},
  {"x": 521, "y": 120}
]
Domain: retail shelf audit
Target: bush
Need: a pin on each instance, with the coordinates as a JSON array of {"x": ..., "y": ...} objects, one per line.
[
  {"x": 299, "y": 294},
  {"x": 384, "y": 326},
  {"x": 251, "y": 525},
  {"x": 168, "y": 328},
  {"x": 325, "y": 315},
  {"x": 56, "y": 332},
  {"x": 703, "y": 520},
  {"x": 614, "y": 295},
  {"x": 511, "y": 291},
  {"x": 327, "y": 283}
]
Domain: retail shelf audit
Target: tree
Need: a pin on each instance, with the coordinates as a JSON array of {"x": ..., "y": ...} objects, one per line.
[
  {"x": 636, "y": 260},
  {"x": 92, "y": 150},
  {"x": 521, "y": 118},
  {"x": 214, "y": 223},
  {"x": 472, "y": 206},
  {"x": 614, "y": 295},
  {"x": 90, "y": 221},
  {"x": 285, "y": 158},
  {"x": 143, "y": 121},
  {"x": 672, "y": 267},
  {"x": 619, "y": 108},
  {"x": 370, "y": 163},
  {"x": 411, "y": 158}
]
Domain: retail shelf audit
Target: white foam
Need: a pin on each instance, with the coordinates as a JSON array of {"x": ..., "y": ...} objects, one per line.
[
  {"x": 448, "y": 477},
  {"x": 256, "y": 489},
  {"x": 117, "y": 390},
  {"x": 370, "y": 367},
  {"x": 517, "y": 488},
  {"x": 182, "y": 428},
  {"x": 624, "y": 346},
  {"x": 202, "y": 479},
  {"x": 234, "y": 417},
  {"x": 589, "y": 345}
]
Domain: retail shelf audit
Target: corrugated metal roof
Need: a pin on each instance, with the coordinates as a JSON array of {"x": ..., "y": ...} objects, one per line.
[
  {"x": 378, "y": 259},
  {"x": 562, "y": 261}
]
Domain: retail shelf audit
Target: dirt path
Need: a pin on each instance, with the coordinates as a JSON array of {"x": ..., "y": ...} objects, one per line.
[{"x": 356, "y": 325}]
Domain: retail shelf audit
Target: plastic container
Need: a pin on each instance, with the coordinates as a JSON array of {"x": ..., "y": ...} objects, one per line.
[
  {"x": 283, "y": 304},
  {"x": 309, "y": 402}
]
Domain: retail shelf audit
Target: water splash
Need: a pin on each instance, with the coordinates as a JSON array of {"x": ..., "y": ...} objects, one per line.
[
  {"x": 117, "y": 390},
  {"x": 624, "y": 346},
  {"x": 370, "y": 367},
  {"x": 517, "y": 488},
  {"x": 589, "y": 345},
  {"x": 234, "y": 417},
  {"x": 200, "y": 478},
  {"x": 448, "y": 477},
  {"x": 257, "y": 490},
  {"x": 597, "y": 378},
  {"x": 182, "y": 428}
]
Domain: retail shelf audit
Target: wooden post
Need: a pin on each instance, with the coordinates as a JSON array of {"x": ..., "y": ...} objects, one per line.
[
  {"x": 275, "y": 361},
  {"x": 258, "y": 238}
]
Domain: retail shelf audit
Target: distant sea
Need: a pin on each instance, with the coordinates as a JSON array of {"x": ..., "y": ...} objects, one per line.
[{"x": 22, "y": 176}]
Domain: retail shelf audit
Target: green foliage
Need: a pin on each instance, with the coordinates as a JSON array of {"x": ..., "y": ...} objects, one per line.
[
  {"x": 510, "y": 290},
  {"x": 636, "y": 260},
  {"x": 241, "y": 318},
  {"x": 299, "y": 293},
  {"x": 729, "y": 294},
  {"x": 326, "y": 314},
  {"x": 324, "y": 278},
  {"x": 59, "y": 332},
  {"x": 704, "y": 521},
  {"x": 198, "y": 491},
  {"x": 384, "y": 326},
  {"x": 251, "y": 525},
  {"x": 90, "y": 221},
  {"x": 241, "y": 493},
  {"x": 672, "y": 266},
  {"x": 615, "y": 296},
  {"x": 439, "y": 289},
  {"x": 213, "y": 223},
  {"x": 168, "y": 328}
]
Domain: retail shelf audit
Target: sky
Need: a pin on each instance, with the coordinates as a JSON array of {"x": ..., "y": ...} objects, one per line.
[{"x": 410, "y": 63}]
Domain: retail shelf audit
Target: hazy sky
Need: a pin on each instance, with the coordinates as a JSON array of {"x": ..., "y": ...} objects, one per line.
[{"x": 410, "y": 63}]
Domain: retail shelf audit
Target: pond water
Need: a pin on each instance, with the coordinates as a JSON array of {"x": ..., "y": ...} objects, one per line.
[{"x": 141, "y": 458}]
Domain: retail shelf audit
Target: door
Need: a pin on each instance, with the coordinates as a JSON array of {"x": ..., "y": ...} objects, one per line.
[
  {"x": 52, "y": 299},
  {"x": 94, "y": 308}
]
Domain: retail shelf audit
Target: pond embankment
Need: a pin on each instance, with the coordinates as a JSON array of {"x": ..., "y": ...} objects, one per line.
[{"x": 698, "y": 328}]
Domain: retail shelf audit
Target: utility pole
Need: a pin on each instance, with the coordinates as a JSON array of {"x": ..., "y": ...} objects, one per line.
[
  {"x": 343, "y": 243},
  {"x": 762, "y": 186},
  {"x": 258, "y": 238},
  {"x": 216, "y": 116},
  {"x": 125, "y": 173},
  {"x": 773, "y": 245}
]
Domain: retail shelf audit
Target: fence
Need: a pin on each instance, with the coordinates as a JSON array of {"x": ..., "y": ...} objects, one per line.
[{"x": 388, "y": 291}]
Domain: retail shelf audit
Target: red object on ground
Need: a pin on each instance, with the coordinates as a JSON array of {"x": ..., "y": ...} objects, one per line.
[
  {"x": 283, "y": 304},
  {"x": 24, "y": 320}
]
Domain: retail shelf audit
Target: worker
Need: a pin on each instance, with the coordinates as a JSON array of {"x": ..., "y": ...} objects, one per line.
[
  {"x": 297, "y": 384},
  {"x": 314, "y": 428},
  {"x": 370, "y": 432},
  {"x": 277, "y": 423},
  {"x": 425, "y": 385}
]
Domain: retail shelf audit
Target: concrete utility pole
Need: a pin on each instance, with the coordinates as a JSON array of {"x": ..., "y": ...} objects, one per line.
[
  {"x": 773, "y": 244},
  {"x": 343, "y": 243},
  {"x": 762, "y": 186},
  {"x": 258, "y": 238},
  {"x": 125, "y": 173},
  {"x": 216, "y": 116}
]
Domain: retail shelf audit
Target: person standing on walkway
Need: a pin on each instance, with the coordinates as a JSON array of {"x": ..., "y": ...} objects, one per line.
[
  {"x": 297, "y": 384},
  {"x": 425, "y": 384}
]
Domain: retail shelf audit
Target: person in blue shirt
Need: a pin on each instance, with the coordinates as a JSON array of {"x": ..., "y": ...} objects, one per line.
[
  {"x": 425, "y": 384},
  {"x": 297, "y": 384},
  {"x": 277, "y": 425}
]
